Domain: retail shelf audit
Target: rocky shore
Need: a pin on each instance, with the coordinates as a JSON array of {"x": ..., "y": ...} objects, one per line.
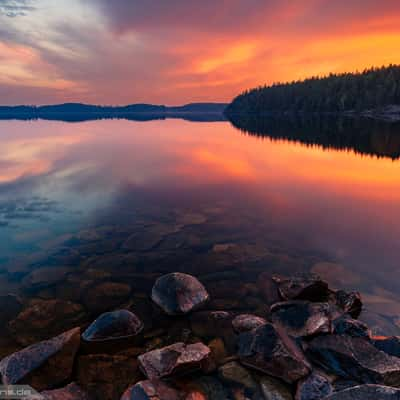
[{"x": 305, "y": 343}]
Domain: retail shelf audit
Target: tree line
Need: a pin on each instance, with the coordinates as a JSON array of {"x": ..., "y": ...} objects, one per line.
[{"x": 370, "y": 89}]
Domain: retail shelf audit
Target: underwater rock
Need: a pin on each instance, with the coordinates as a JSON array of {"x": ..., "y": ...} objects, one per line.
[
  {"x": 178, "y": 358},
  {"x": 366, "y": 392},
  {"x": 178, "y": 293},
  {"x": 43, "y": 365},
  {"x": 314, "y": 387},
  {"x": 234, "y": 372},
  {"x": 247, "y": 322}
]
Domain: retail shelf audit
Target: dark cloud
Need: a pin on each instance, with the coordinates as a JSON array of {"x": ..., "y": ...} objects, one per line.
[{"x": 16, "y": 8}]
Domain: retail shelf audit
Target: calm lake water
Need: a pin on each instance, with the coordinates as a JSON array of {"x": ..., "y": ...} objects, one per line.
[{"x": 91, "y": 213}]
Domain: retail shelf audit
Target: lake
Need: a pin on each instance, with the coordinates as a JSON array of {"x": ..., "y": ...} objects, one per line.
[{"x": 91, "y": 213}]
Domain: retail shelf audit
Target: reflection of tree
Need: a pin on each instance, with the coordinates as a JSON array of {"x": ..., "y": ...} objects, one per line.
[{"x": 364, "y": 136}]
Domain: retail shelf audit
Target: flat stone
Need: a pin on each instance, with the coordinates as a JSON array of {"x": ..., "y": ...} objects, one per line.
[
  {"x": 314, "y": 387},
  {"x": 178, "y": 293},
  {"x": 106, "y": 376},
  {"x": 389, "y": 345},
  {"x": 151, "y": 390},
  {"x": 350, "y": 303},
  {"x": 233, "y": 372},
  {"x": 366, "y": 392},
  {"x": 302, "y": 318},
  {"x": 43, "y": 365},
  {"x": 113, "y": 325},
  {"x": 274, "y": 389},
  {"x": 175, "y": 359},
  {"x": 271, "y": 351},
  {"x": 352, "y": 327},
  {"x": 43, "y": 319},
  {"x": 69, "y": 392},
  {"x": 303, "y": 287},
  {"x": 354, "y": 358},
  {"x": 247, "y": 322}
]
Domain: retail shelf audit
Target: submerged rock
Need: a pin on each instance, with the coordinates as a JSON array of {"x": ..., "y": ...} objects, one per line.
[
  {"x": 366, "y": 392},
  {"x": 175, "y": 359},
  {"x": 69, "y": 392},
  {"x": 151, "y": 390},
  {"x": 314, "y": 387},
  {"x": 303, "y": 287},
  {"x": 247, "y": 322},
  {"x": 350, "y": 303},
  {"x": 43, "y": 365},
  {"x": 113, "y": 325},
  {"x": 355, "y": 358},
  {"x": 302, "y": 318},
  {"x": 273, "y": 352},
  {"x": 178, "y": 293},
  {"x": 273, "y": 389}
]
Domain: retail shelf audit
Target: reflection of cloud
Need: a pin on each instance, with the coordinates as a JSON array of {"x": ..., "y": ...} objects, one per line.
[{"x": 15, "y": 8}]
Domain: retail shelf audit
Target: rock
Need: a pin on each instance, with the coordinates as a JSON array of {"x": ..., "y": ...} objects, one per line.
[
  {"x": 389, "y": 345},
  {"x": 303, "y": 287},
  {"x": 44, "y": 277},
  {"x": 151, "y": 390},
  {"x": 268, "y": 288},
  {"x": 212, "y": 388},
  {"x": 43, "y": 365},
  {"x": 314, "y": 387},
  {"x": 105, "y": 376},
  {"x": 113, "y": 325},
  {"x": 218, "y": 350},
  {"x": 69, "y": 392},
  {"x": 175, "y": 359},
  {"x": 233, "y": 372},
  {"x": 302, "y": 318},
  {"x": 11, "y": 306},
  {"x": 354, "y": 358},
  {"x": 247, "y": 322},
  {"x": 350, "y": 303},
  {"x": 352, "y": 327},
  {"x": 366, "y": 392},
  {"x": 106, "y": 296},
  {"x": 273, "y": 389},
  {"x": 271, "y": 351},
  {"x": 43, "y": 319},
  {"x": 178, "y": 293}
]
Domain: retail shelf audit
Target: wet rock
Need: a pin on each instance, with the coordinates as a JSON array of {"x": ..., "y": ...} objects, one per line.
[
  {"x": 218, "y": 350},
  {"x": 11, "y": 306},
  {"x": 43, "y": 319},
  {"x": 113, "y": 325},
  {"x": 178, "y": 293},
  {"x": 151, "y": 390},
  {"x": 273, "y": 389},
  {"x": 106, "y": 296},
  {"x": 43, "y": 277},
  {"x": 389, "y": 345},
  {"x": 175, "y": 359},
  {"x": 366, "y": 392},
  {"x": 105, "y": 376},
  {"x": 271, "y": 351},
  {"x": 247, "y": 322},
  {"x": 352, "y": 327},
  {"x": 268, "y": 288},
  {"x": 233, "y": 372},
  {"x": 350, "y": 303},
  {"x": 303, "y": 287},
  {"x": 69, "y": 392},
  {"x": 43, "y": 365},
  {"x": 212, "y": 388},
  {"x": 354, "y": 358},
  {"x": 302, "y": 318},
  {"x": 314, "y": 387},
  {"x": 343, "y": 384}
]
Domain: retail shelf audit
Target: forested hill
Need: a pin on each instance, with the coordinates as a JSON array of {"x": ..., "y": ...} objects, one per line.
[{"x": 372, "y": 89}]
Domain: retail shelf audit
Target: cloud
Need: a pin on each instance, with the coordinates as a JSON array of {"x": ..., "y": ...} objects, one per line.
[{"x": 16, "y": 8}]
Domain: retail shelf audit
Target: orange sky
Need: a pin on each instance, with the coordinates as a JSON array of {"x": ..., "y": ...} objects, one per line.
[{"x": 182, "y": 50}]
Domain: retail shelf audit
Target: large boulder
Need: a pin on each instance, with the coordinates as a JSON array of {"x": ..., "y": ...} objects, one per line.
[
  {"x": 178, "y": 358},
  {"x": 303, "y": 287},
  {"x": 271, "y": 351},
  {"x": 151, "y": 390},
  {"x": 366, "y": 392},
  {"x": 43, "y": 365},
  {"x": 302, "y": 318},
  {"x": 247, "y": 322},
  {"x": 314, "y": 387},
  {"x": 112, "y": 326},
  {"x": 69, "y": 392},
  {"x": 354, "y": 358},
  {"x": 178, "y": 293}
]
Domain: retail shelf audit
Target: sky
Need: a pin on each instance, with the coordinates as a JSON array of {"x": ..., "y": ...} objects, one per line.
[{"x": 179, "y": 51}]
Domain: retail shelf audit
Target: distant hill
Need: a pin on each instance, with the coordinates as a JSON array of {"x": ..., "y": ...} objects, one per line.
[
  {"x": 374, "y": 92},
  {"x": 141, "y": 112}
]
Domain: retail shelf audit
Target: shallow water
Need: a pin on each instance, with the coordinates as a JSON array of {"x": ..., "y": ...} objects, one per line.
[{"x": 91, "y": 213}]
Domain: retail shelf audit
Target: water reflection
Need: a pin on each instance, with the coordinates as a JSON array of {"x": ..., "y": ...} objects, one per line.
[{"x": 91, "y": 213}]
